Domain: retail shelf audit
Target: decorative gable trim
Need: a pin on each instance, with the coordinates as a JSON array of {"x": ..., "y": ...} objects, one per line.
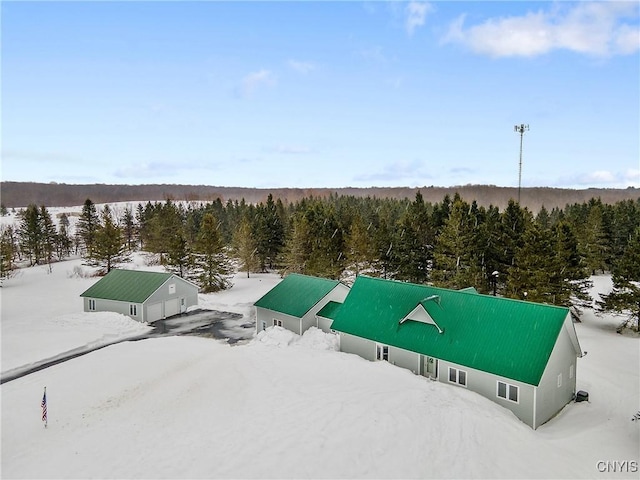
[{"x": 420, "y": 314}]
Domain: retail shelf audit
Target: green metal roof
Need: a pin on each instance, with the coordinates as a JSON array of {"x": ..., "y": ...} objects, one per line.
[
  {"x": 510, "y": 338},
  {"x": 296, "y": 294},
  {"x": 329, "y": 310},
  {"x": 127, "y": 285}
]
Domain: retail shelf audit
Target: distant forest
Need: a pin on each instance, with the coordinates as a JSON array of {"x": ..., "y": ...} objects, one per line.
[
  {"x": 546, "y": 257},
  {"x": 21, "y": 194}
]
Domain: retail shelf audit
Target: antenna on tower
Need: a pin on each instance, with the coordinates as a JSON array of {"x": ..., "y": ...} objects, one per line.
[{"x": 520, "y": 129}]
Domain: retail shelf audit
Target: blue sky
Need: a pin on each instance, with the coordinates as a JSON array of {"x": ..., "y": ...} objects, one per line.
[{"x": 321, "y": 94}]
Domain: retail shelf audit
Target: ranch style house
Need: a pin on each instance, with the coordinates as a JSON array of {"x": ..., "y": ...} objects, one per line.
[{"x": 521, "y": 355}]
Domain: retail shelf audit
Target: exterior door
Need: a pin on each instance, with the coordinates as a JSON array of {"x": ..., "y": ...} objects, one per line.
[{"x": 430, "y": 367}]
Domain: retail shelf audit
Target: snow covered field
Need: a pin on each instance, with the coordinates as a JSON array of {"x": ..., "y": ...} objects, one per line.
[{"x": 279, "y": 405}]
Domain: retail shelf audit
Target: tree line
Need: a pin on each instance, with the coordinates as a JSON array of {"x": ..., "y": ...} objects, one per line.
[{"x": 545, "y": 257}]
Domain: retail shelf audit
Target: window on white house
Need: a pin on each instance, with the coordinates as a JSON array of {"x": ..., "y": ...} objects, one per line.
[
  {"x": 559, "y": 380},
  {"x": 571, "y": 371},
  {"x": 133, "y": 310},
  {"x": 457, "y": 376},
  {"x": 382, "y": 352},
  {"x": 172, "y": 288},
  {"x": 277, "y": 322},
  {"x": 92, "y": 305},
  {"x": 508, "y": 391}
]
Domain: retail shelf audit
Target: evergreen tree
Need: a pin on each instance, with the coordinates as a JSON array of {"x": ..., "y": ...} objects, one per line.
[
  {"x": 179, "y": 259},
  {"x": 625, "y": 296},
  {"x": 49, "y": 236},
  {"x": 64, "y": 242},
  {"x": 269, "y": 233},
  {"x": 87, "y": 226},
  {"x": 359, "y": 246},
  {"x": 593, "y": 242},
  {"x": 298, "y": 246},
  {"x": 30, "y": 234},
  {"x": 568, "y": 283},
  {"x": 128, "y": 228},
  {"x": 529, "y": 276},
  {"x": 414, "y": 241},
  {"x": 7, "y": 252},
  {"x": 108, "y": 245},
  {"x": 245, "y": 247},
  {"x": 452, "y": 256},
  {"x": 212, "y": 265}
]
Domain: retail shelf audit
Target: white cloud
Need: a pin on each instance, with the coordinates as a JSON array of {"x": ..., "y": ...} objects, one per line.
[
  {"x": 603, "y": 178},
  {"x": 593, "y": 28},
  {"x": 302, "y": 67},
  {"x": 415, "y": 15},
  {"x": 255, "y": 80}
]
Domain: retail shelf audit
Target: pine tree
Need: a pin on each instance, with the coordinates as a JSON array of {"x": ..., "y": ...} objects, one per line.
[
  {"x": 64, "y": 242},
  {"x": 298, "y": 246},
  {"x": 30, "y": 234},
  {"x": 179, "y": 258},
  {"x": 108, "y": 245},
  {"x": 625, "y": 296},
  {"x": 593, "y": 240},
  {"x": 245, "y": 247},
  {"x": 49, "y": 236},
  {"x": 212, "y": 265},
  {"x": 414, "y": 241},
  {"x": 452, "y": 259},
  {"x": 88, "y": 223},
  {"x": 359, "y": 246},
  {"x": 529, "y": 276},
  {"x": 269, "y": 233},
  {"x": 128, "y": 227},
  {"x": 568, "y": 283},
  {"x": 8, "y": 248}
]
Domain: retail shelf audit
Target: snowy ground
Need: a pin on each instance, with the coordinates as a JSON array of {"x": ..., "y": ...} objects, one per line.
[{"x": 280, "y": 405}]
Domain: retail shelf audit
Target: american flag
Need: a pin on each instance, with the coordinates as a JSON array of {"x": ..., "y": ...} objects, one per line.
[{"x": 44, "y": 406}]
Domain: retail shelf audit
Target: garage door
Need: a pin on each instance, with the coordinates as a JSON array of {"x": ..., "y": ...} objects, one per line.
[
  {"x": 154, "y": 312},
  {"x": 171, "y": 307}
]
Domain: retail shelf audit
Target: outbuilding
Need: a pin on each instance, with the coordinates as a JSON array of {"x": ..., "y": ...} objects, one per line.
[
  {"x": 294, "y": 302},
  {"x": 144, "y": 296},
  {"x": 521, "y": 355}
]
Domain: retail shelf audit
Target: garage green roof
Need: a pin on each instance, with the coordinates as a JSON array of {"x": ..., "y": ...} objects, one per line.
[
  {"x": 296, "y": 294},
  {"x": 330, "y": 310},
  {"x": 127, "y": 285},
  {"x": 510, "y": 338}
]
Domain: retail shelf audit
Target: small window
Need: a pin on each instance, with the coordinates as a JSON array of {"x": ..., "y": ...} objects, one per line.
[
  {"x": 133, "y": 310},
  {"x": 382, "y": 352},
  {"x": 559, "y": 380},
  {"x": 571, "y": 371},
  {"x": 277, "y": 323},
  {"x": 92, "y": 305},
  {"x": 458, "y": 376},
  {"x": 508, "y": 391},
  {"x": 172, "y": 288}
]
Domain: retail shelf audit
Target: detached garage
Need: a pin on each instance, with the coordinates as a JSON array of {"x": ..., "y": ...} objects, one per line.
[{"x": 144, "y": 296}]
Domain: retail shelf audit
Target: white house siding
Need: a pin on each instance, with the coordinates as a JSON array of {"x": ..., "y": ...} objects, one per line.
[
  {"x": 337, "y": 294},
  {"x": 324, "y": 324},
  {"x": 288, "y": 321},
  {"x": 486, "y": 384},
  {"x": 357, "y": 345},
  {"x": 551, "y": 398},
  {"x": 183, "y": 289},
  {"x": 110, "y": 306}
]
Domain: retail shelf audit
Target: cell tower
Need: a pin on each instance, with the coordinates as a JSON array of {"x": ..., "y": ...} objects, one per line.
[{"x": 520, "y": 129}]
